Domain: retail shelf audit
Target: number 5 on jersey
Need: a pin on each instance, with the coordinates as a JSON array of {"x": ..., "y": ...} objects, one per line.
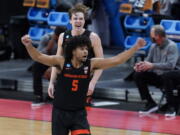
[{"x": 75, "y": 85}]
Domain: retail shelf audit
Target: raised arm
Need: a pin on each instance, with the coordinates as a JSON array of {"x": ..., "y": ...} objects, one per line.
[
  {"x": 98, "y": 51},
  {"x": 39, "y": 57},
  {"x": 54, "y": 70},
  {"x": 100, "y": 63}
]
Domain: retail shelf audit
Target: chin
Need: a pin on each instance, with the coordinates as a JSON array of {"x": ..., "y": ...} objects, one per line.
[
  {"x": 78, "y": 28},
  {"x": 84, "y": 59}
]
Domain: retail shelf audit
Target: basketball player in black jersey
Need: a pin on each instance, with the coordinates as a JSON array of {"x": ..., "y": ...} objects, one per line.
[
  {"x": 78, "y": 15},
  {"x": 75, "y": 69}
]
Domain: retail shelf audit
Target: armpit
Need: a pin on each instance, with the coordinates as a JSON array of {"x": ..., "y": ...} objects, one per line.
[{"x": 57, "y": 67}]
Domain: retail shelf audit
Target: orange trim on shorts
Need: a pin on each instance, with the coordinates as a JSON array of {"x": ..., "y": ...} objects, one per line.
[{"x": 80, "y": 131}]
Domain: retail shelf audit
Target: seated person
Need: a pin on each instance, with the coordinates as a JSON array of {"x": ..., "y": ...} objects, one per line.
[
  {"x": 48, "y": 45},
  {"x": 171, "y": 82},
  {"x": 162, "y": 57}
]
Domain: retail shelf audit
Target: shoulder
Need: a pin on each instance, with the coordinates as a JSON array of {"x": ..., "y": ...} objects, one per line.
[
  {"x": 61, "y": 36},
  {"x": 94, "y": 37},
  {"x": 60, "y": 60},
  {"x": 67, "y": 32},
  {"x": 153, "y": 47},
  {"x": 172, "y": 43}
]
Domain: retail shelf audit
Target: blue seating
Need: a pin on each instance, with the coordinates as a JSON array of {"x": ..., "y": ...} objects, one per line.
[
  {"x": 58, "y": 19},
  {"x": 172, "y": 28},
  {"x": 36, "y": 33},
  {"x": 38, "y": 14},
  {"x": 138, "y": 23},
  {"x": 131, "y": 40},
  {"x": 178, "y": 45}
]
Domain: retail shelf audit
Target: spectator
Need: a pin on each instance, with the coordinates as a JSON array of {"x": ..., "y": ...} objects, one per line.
[
  {"x": 162, "y": 57},
  {"x": 166, "y": 7},
  {"x": 47, "y": 45},
  {"x": 171, "y": 82}
]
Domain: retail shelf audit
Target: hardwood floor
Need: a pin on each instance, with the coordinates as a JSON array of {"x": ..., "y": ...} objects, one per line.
[
  {"x": 9, "y": 126},
  {"x": 19, "y": 118}
]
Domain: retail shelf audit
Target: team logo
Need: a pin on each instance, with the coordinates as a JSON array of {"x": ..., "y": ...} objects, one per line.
[
  {"x": 67, "y": 36},
  {"x": 68, "y": 66},
  {"x": 85, "y": 70}
]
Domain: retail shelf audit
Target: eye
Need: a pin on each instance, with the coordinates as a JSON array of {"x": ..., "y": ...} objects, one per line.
[{"x": 75, "y": 18}]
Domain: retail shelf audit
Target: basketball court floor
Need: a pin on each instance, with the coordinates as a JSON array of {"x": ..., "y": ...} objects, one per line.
[{"x": 17, "y": 117}]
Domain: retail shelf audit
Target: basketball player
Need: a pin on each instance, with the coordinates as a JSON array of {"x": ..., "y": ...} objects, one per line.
[
  {"x": 78, "y": 15},
  {"x": 75, "y": 69}
]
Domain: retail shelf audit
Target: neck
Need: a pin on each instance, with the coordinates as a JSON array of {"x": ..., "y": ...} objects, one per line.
[
  {"x": 77, "y": 32},
  {"x": 162, "y": 41},
  {"x": 76, "y": 63}
]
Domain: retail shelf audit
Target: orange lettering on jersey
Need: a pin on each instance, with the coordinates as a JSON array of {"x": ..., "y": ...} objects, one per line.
[
  {"x": 75, "y": 85},
  {"x": 76, "y": 76}
]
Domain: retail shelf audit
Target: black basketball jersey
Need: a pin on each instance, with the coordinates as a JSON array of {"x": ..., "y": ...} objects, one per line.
[
  {"x": 67, "y": 35},
  {"x": 72, "y": 86}
]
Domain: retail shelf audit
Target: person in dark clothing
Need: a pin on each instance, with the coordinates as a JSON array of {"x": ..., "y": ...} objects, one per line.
[
  {"x": 162, "y": 57},
  {"x": 172, "y": 82},
  {"x": 73, "y": 80},
  {"x": 78, "y": 15},
  {"x": 47, "y": 45}
]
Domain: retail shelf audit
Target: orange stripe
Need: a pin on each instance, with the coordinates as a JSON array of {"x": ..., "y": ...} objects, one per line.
[
  {"x": 80, "y": 131},
  {"x": 76, "y": 76}
]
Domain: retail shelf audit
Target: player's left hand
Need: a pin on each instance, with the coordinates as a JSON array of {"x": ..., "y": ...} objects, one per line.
[
  {"x": 26, "y": 40},
  {"x": 91, "y": 88}
]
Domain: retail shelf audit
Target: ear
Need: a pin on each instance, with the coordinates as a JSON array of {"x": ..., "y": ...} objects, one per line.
[
  {"x": 73, "y": 52},
  {"x": 70, "y": 21}
]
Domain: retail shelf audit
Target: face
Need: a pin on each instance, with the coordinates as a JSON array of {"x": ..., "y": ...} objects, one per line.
[
  {"x": 156, "y": 38},
  {"x": 77, "y": 21},
  {"x": 153, "y": 36},
  {"x": 81, "y": 53}
]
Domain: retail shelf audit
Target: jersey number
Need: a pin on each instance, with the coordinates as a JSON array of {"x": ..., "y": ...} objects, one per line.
[{"x": 75, "y": 85}]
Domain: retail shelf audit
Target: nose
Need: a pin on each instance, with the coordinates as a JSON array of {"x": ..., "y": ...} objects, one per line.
[{"x": 85, "y": 51}]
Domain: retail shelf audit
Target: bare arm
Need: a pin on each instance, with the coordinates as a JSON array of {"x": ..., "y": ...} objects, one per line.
[
  {"x": 54, "y": 70},
  {"x": 37, "y": 56},
  {"x": 59, "y": 52},
  {"x": 98, "y": 51},
  {"x": 100, "y": 63}
]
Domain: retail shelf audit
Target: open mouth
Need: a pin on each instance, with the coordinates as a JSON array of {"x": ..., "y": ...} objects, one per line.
[
  {"x": 78, "y": 26},
  {"x": 84, "y": 57}
]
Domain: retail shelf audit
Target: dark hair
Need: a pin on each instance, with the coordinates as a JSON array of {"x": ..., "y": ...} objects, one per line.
[
  {"x": 59, "y": 29},
  {"x": 79, "y": 8},
  {"x": 159, "y": 30},
  {"x": 75, "y": 42}
]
